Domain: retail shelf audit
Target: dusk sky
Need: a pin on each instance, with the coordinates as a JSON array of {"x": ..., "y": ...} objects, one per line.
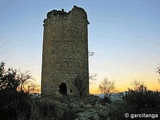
[{"x": 123, "y": 34}]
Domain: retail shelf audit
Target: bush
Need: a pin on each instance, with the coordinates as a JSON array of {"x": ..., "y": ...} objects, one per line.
[
  {"x": 105, "y": 100},
  {"x": 139, "y": 100},
  {"x": 49, "y": 108},
  {"x": 142, "y": 101},
  {"x": 14, "y": 105}
]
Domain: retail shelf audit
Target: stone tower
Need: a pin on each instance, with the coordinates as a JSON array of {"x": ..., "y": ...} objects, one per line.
[{"x": 65, "y": 52}]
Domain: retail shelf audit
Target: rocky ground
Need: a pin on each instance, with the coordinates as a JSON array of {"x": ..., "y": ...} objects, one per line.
[{"x": 72, "y": 108}]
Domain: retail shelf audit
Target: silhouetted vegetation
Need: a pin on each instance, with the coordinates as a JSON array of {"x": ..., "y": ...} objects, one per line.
[
  {"x": 17, "y": 104},
  {"x": 107, "y": 88},
  {"x": 14, "y": 104},
  {"x": 14, "y": 80},
  {"x": 81, "y": 85},
  {"x": 138, "y": 100},
  {"x": 8, "y": 78},
  {"x": 158, "y": 71}
]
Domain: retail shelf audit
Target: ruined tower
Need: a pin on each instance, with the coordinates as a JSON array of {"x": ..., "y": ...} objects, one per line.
[{"x": 65, "y": 52}]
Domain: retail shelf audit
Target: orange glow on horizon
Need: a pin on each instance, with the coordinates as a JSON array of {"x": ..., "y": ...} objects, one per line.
[{"x": 154, "y": 87}]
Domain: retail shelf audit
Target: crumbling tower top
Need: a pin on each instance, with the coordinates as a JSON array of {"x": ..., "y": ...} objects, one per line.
[{"x": 54, "y": 14}]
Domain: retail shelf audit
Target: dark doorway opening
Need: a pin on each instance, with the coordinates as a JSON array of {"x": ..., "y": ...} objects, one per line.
[
  {"x": 63, "y": 89},
  {"x": 71, "y": 91}
]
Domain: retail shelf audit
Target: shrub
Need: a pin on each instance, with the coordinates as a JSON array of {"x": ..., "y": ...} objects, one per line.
[
  {"x": 14, "y": 105},
  {"x": 142, "y": 101},
  {"x": 139, "y": 100}
]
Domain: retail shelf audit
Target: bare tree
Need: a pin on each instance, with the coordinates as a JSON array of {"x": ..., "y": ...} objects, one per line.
[
  {"x": 92, "y": 78},
  {"x": 139, "y": 85},
  {"x": 158, "y": 71},
  {"x": 25, "y": 79},
  {"x": 16, "y": 80},
  {"x": 80, "y": 84},
  {"x": 107, "y": 88}
]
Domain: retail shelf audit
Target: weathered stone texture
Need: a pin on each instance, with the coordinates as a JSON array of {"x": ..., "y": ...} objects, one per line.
[{"x": 65, "y": 51}]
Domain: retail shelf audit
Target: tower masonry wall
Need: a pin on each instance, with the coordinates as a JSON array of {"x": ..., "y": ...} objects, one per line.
[{"x": 65, "y": 52}]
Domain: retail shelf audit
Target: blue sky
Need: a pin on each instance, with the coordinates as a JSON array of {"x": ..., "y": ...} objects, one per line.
[{"x": 123, "y": 34}]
